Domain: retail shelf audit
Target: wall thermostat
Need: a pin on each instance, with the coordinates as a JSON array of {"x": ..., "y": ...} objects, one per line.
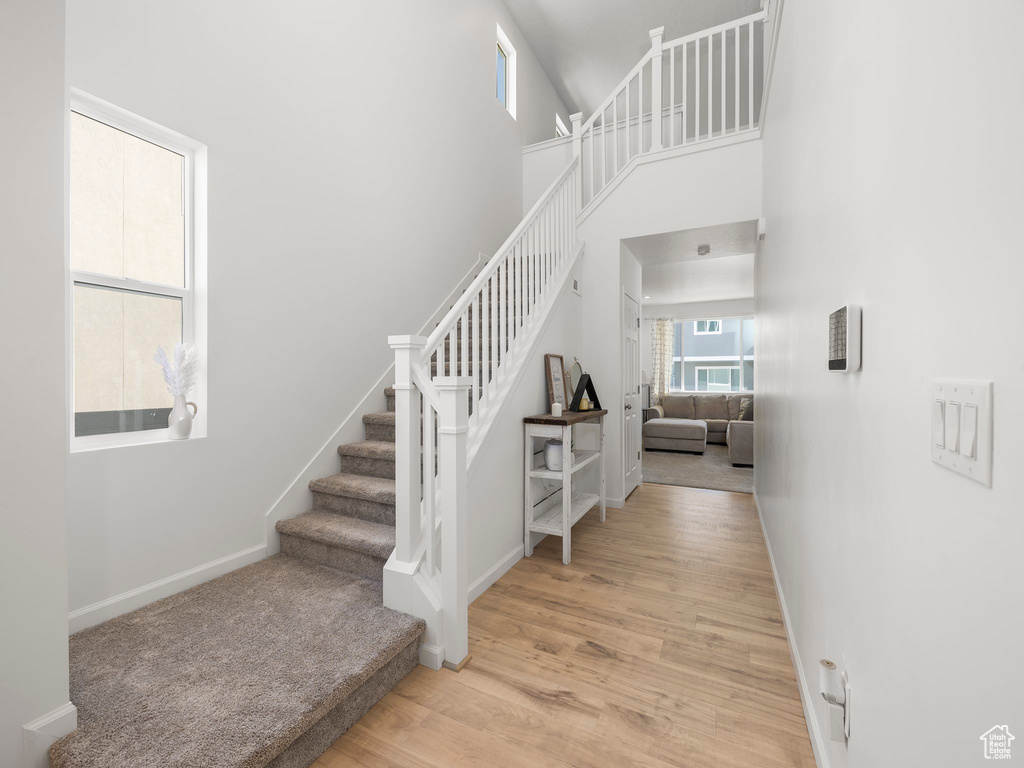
[{"x": 844, "y": 339}]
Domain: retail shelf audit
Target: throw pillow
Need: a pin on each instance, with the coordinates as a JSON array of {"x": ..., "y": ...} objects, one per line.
[
  {"x": 711, "y": 407},
  {"x": 678, "y": 406},
  {"x": 746, "y": 410}
]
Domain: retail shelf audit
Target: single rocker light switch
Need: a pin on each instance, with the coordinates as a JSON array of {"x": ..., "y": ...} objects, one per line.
[
  {"x": 969, "y": 438},
  {"x": 952, "y": 426},
  {"x": 938, "y": 423}
]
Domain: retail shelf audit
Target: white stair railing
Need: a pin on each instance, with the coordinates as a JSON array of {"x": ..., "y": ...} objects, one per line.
[
  {"x": 699, "y": 87},
  {"x": 450, "y": 387}
]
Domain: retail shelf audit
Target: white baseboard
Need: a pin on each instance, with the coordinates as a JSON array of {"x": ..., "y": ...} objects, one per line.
[
  {"x": 39, "y": 735},
  {"x": 807, "y": 698},
  {"x": 431, "y": 656},
  {"x": 90, "y": 615},
  {"x": 498, "y": 570},
  {"x": 614, "y": 503}
]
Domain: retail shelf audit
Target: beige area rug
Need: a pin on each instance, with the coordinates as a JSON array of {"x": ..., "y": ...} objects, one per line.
[{"x": 712, "y": 470}]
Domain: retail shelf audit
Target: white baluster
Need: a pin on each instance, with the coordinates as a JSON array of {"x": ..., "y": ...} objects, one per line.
[
  {"x": 640, "y": 114},
  {"x": 577, "y": 137},
  {"x": 711, "y": 87},
  {"x": 750, "y": 74},
  {"x": 408, "y": 353},
  {"x": 672, "y": 96},
  {"x": 686, "y": 105},
  {"x": 736, "y": 45},
  {"x": 615, "y": 132},
  {"x": 722, "y": 131},
  {"x": 656, "y": 95},
  {"x": 696, "y": 89},
  {"x": 452, "y": 437},
  {"x": 429, "y": 483}
]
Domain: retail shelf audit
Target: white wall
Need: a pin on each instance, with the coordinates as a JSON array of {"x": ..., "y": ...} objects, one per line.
[
  {"x": 496, "y": 478},
  {"x": 33, "y": 487},
  {"x": 358, "y": 162},
  {"x": 541, "y": 165},
  {"x": 907, "y": 575},
  {"x": 655, "y": 197},
  {"x": 691, "y": 310}
]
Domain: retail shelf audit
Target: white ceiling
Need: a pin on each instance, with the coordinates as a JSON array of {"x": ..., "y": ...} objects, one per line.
[
  {"x": 727, "y": 277},
  {"x": 673, "y": 272},
  {"x": 724, "y": 239},
  {"x": 587, "y": 46}
]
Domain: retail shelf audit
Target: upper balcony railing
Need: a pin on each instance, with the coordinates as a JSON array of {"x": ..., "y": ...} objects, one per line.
[{"x": 698, "y": 88}]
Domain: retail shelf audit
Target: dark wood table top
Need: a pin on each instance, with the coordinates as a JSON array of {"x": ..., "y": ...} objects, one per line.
[{"x": 567, "y": 419}]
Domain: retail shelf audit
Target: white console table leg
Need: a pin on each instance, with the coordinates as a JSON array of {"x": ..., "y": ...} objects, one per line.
[
  {"x": 528, "y": 491},
  {"x": 566, "y": 494},
  {"x": 603, "y": 498}
]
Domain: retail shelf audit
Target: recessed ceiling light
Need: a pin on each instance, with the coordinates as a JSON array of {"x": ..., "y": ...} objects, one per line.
[
  {"x": 647, "y": 297},
  {"x": 703, "y": 250}
]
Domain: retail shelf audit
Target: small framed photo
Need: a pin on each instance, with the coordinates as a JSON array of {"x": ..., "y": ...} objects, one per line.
[{"x": 558, "y": 391}]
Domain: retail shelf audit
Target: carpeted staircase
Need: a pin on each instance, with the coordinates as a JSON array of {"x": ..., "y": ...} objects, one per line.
[{"x": 267, "y": 665}]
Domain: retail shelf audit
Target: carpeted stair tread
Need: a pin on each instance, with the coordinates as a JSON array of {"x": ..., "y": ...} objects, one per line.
[
  {"x": 377, "y": 489},
  {"x": 335, "y": 530},
  {"x": 231, "y": 672},
  {"x": 386, "y": 417},
  {"x": 369, "y": 449}
]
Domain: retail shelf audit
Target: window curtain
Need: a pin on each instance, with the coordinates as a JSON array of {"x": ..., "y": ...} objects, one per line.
[{"x": 662, "y": 332}]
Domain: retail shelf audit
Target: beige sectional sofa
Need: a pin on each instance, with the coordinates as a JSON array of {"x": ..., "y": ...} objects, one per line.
[{"x": 687, "y": 422}]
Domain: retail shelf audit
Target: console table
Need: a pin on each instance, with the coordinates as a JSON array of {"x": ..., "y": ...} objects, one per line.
[{"x": 559, "y": 520}]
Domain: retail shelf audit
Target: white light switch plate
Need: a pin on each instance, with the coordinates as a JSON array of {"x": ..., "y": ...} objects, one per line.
[{"x": 953, "y": 454}]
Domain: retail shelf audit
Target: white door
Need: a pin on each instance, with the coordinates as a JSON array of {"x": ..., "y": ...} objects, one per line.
[{"x": 632, "y": 420}]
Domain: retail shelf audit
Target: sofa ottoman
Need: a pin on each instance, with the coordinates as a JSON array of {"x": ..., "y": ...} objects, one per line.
[{"x": 666, "y": 434}]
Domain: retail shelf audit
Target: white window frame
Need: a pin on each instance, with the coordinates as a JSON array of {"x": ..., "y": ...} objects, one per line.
[
  {"x": 696, "y": 377},
  {"x": 192, "y": 295},
  {"x": 683, "y": 359},
  {"x": 510, "y": 71},
  {"x": 561, "y": 131},
  {"x": 707, "y": 333}
]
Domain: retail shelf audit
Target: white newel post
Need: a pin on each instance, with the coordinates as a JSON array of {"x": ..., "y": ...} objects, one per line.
[
  {"x": 656, "y": 35},
  {"x": 408, "y": 350},
  {"x": 454, "y": 472},
  {"x": 577, "y": 151}
]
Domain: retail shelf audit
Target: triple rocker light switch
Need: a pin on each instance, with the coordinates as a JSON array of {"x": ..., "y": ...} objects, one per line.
[{"x": 961, "y": 417}]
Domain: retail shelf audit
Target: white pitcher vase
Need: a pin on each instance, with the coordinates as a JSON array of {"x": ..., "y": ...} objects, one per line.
[{"x": 179, "y": 421}]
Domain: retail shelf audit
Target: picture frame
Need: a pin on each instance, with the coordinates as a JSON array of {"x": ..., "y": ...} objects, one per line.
[{"x": 558, "y": 392}]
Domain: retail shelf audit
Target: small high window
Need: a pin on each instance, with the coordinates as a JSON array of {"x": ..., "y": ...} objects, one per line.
[{"x": 505, "y": 72}]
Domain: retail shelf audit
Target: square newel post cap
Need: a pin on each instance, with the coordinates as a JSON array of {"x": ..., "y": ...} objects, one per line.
[
  {"x": 444, "y": 383},
  {"x": 656, "y": 36},
  {"x": 407, "y": 342}
]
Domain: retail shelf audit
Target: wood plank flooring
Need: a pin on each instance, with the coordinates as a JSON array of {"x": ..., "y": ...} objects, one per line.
[{"x": 661, "y": 644}]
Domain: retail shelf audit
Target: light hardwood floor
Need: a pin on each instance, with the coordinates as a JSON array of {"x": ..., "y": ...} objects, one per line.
[{"x": 660, "y": 645}]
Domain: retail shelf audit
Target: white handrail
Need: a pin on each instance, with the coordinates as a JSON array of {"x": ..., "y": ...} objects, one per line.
[
  {"x": 759, "y": 16},
  {"x": 460, "y": 306},
  {"x": 480, "y": 349},
  {"x": 616, "y": 91}
]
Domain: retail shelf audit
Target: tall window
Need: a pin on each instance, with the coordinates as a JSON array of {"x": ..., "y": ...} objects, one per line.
[
  {"x": 502, "y": 77},
  {"x": 505, "y": 72},
  {"x": 713, "y": 355},
  {"x": 132, "y": 266}
]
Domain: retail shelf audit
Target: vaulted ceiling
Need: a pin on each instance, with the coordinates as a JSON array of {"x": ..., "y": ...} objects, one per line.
[{"x": 587, "y": 46}]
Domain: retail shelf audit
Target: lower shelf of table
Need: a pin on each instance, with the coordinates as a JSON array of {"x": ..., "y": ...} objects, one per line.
[{"x": 551, "y": 521}]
